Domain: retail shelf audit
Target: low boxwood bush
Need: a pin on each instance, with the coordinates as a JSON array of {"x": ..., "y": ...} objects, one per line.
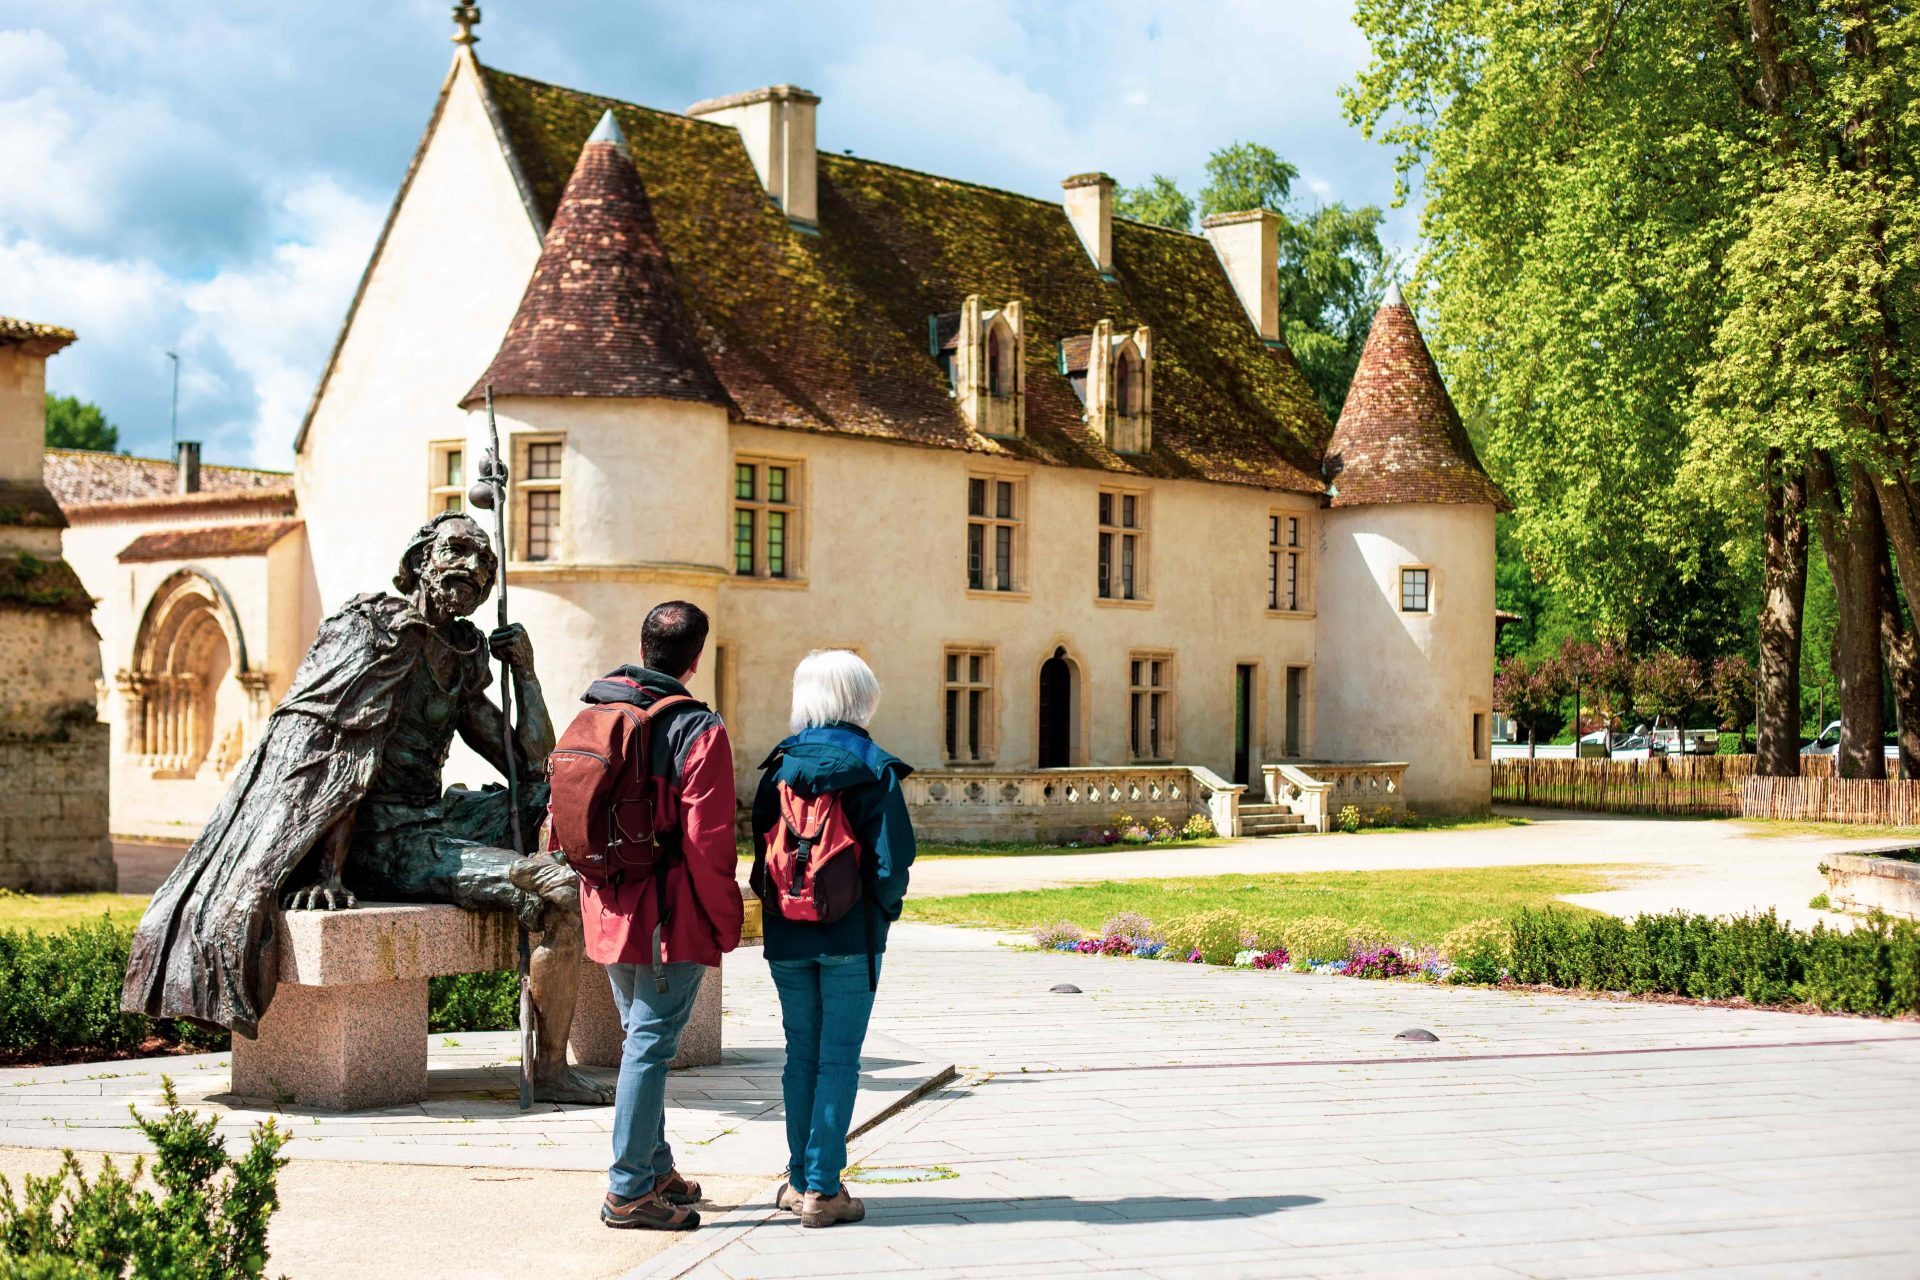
[
  {"x": 60, "y": 996},
  {"x": 210, "y": 1222},
  {"x": 1873, "y": 969}
]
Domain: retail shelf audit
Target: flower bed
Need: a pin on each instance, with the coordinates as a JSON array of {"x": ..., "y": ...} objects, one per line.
[{"x": 1874, "y": 969}]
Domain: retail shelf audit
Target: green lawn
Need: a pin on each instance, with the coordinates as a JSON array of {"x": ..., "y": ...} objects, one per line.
[
  {"x": 1770, "y": 828},
  {"x": 1409, "y": 906},
  {"x": 1459, "y": 822},
  {"x": 57, "y": 911}
]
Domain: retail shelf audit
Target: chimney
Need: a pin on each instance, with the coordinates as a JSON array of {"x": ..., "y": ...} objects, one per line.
[
  {"x": 1249, "y": 249},
  {"x": 1089, "y": 202},
  {"x": 776, "y": 124},
  {"x": 186, "y": 466}
]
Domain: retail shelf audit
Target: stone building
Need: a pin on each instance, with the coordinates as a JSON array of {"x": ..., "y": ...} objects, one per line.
[
  {"x": 53, "y": 749},
  {"x": 1054, "y": 473},
  {"x": 205, "y": 605}
]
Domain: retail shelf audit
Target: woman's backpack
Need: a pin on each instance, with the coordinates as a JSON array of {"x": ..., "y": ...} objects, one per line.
[
  {"x": 602, "y": 793},
  {"x": 813, "y": 860}
]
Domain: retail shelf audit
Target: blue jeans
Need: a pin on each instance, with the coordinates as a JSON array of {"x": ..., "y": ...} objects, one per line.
[
  {"x": 653, "y": 1021},
  {"x": 824, "y": 1006}
]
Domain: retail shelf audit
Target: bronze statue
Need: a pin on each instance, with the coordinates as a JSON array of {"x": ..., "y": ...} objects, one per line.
[{"x": 341, "y": 800}]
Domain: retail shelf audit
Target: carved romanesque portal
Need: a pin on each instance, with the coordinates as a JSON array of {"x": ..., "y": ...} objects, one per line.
[{"x": 192, "y": 700}]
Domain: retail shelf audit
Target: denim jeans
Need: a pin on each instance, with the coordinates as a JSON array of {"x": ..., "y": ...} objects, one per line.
[
  {"x": 824, "y": 1006},
  {"x": 653, "y": 1021}
]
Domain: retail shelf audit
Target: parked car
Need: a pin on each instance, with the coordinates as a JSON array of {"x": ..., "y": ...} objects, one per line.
[{"x": 1827, "y": 741}]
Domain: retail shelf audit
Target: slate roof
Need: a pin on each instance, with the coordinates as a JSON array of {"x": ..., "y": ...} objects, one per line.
[
  {"x": 81, "y": 479},
  {"x": 207, "y": 541},
  {"x": 601, "y": 315},
  {"x": 42, "y": 339},
  {"x": 1399, "y": 438},
  {"x": 829, "y": 332}
]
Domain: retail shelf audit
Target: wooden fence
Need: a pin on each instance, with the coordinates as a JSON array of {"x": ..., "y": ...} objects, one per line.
[
  {"x": 1703, "y": 785},
  {"x": 1871, "y": 802}
]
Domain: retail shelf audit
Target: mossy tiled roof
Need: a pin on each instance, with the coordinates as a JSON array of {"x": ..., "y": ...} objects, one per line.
[
  {"x": 828, "y": 332},
  {"x": 81, "y": 478}
]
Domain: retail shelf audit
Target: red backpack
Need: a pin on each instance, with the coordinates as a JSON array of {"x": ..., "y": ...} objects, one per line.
[
  {"x": 602, "y": 792},
  {"x": 813, "y": 860}
]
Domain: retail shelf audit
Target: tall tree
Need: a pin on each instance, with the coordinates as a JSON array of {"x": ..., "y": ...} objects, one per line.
[
  {"x": 73, "y": 423},
  {"x": 1675, "y": 248},
  {"x": 1158, "y": 200}
]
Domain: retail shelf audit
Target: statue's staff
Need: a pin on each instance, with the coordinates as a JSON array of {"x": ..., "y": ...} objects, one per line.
[{"x": 489, "y": 493}]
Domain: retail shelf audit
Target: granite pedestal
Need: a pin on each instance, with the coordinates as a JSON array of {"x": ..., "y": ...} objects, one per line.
[{"x": 347, "y": 1026}]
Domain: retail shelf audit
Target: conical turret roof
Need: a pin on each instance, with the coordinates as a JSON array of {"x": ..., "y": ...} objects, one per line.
[
  {"x": 1399, "y": 438},
  {"x": 602, "y": 315}
]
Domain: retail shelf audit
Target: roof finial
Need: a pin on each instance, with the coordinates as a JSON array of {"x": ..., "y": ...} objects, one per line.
[
  {"x": 608, "y": 130},
  {"x": 1392, "y": 297},
  {"x": 465, "y": 18}
]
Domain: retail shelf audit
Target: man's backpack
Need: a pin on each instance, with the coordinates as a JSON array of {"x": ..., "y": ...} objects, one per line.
[
  {"x": 602, "y": 793},
  {"x": 813, "y": 860}
]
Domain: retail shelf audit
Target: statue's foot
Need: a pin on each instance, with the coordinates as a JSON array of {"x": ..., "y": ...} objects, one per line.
[{"x": 568, "y": 1085}]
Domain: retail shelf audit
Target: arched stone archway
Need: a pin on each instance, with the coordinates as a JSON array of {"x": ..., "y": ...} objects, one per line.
[{"x": 192, "y": 700}]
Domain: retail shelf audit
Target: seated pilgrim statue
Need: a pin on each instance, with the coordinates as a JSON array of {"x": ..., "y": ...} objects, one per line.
[{"x": 340, "y": 802}]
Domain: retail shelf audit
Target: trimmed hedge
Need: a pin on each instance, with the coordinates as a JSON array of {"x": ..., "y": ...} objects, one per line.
[
  {"x": 1875, "y": 969},
  {"x": 60, "y": 994}
]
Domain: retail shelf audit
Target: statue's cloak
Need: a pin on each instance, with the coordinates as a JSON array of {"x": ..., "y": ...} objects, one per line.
[{"x": 207, "y": 948}]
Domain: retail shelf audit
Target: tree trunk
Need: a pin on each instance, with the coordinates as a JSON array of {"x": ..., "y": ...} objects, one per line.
[
  {"x": 1854, "y": 540},
  {"x": 1782, "y": 618}
]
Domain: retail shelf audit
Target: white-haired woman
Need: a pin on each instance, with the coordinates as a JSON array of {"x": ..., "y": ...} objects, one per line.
[{"x": 827, "y": 970}]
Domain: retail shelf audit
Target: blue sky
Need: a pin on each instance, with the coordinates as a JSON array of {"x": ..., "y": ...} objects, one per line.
[{"x": 209, "y": 177}]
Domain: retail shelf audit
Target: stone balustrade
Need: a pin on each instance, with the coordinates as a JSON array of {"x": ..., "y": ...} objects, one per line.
[
  {"x": 1318, "y": 790},
  {"x": 1047, "y": 804}
]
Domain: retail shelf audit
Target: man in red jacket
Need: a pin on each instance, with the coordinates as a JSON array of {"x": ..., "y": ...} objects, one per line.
[{"x": 692, "y": 765}]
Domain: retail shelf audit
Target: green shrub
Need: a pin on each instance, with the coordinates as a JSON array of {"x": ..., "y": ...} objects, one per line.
[
  {"x": 1198, "y": 827},
  {"x": 1214, "y": 934},
  {"x": 1349, "y": 819},
  {"x": 1316, "y": 938},
  {"x": 1478, "y": 950},
  {"x": 474, "y": 1001},
  {"x": 1874, "y": 969},
  {"x": 210, "y": 1223}
]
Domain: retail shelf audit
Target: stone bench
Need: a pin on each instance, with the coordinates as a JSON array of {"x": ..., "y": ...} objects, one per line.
[{"x": 347, "y": 1028}]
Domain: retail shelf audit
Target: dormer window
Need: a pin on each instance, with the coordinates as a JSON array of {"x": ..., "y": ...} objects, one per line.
[
  {"x": 987, "y": 366},
  {"x": 1113, "y": 376}
]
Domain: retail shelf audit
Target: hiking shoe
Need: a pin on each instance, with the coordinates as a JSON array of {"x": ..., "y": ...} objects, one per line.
[
  {"x": 647, "y": 1213},
  {"x": 824, "y": 1211},
  {"x": 677, "y": 1189},
  {"x": 789, "y": 1199}
]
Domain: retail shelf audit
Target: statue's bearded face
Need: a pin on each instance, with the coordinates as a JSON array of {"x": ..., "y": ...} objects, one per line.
[{"x": 457, "y": 570}]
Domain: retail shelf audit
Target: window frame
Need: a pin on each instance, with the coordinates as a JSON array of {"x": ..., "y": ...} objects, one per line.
[
  {"x": 526, "y": 485},
  {"x": 1110, "y": 558},
  {"x": 1289, "y": 554},
  {"x": 1162, "y": 701},
  {"x": 991, "y": 524},
  {"x": 439, "y": 488},
  {"x": 1426, "y": 594},
  {"x": 764, "y": 507},
  {"x": 982, "y": 717}
]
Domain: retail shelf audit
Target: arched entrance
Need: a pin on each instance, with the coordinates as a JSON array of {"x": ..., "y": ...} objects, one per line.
[
  {"x": 190, "y": 698},
  {"x": 1056, "y": 710}
]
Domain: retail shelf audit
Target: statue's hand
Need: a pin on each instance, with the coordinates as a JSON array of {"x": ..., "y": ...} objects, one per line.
[
  {"x": 512, "y": 645},
  {"x": 327, "y": 895}
]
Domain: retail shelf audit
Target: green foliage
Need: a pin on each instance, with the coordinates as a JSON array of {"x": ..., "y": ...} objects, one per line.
[
  {"x": 474, "y": 1001},
  {"x": 1348, "y": 819},
  {"x": 1198, "y": 826},
  {"x": 209, "y": 1223},
  {"x": 1245, "y": 175},
  {"x": 1875, "y": 969},
  {"x": 73, "y": 423},
  {"x": 1215, "y": 935},
  {"x": 1158, "y": 200},
  {"x": 1317, "y": 938},
  {"x": 1479, "y": 950}
]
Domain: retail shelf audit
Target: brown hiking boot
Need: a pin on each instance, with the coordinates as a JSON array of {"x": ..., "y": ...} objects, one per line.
[
  {"x": 824, "y": 1211},
  {"x": 676, "y": 1188},
  {"x": 789, "y": 1199},
  {"x": 647, "y": 1213}
]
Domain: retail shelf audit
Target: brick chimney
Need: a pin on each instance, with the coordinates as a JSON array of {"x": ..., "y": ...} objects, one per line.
[
  {"x": 1249, "y": 249},
  {"x": 186, "y": 466},
  {"x": 1089, "y": 201},
  {"x": 776, "y": 124}
]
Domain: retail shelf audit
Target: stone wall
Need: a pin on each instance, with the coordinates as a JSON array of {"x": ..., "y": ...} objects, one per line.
[{"x": 53, "y": 813}]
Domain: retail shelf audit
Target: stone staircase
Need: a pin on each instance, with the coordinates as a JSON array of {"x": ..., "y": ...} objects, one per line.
[{"x": 1269, "y": 820}]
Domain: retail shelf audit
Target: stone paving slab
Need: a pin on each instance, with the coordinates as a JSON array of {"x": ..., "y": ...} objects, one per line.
[{"x": 1179, "y": 1120}]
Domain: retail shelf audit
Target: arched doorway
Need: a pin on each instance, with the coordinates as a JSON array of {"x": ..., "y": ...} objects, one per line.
[
  {"x": 190, "y": 698},
  {"x": 1056, "y": 710}
]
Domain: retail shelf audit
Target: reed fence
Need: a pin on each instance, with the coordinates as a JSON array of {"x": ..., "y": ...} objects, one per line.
[
  {"x": 1868, "y": 801},
  {"x": 1698, "y": 785}
]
